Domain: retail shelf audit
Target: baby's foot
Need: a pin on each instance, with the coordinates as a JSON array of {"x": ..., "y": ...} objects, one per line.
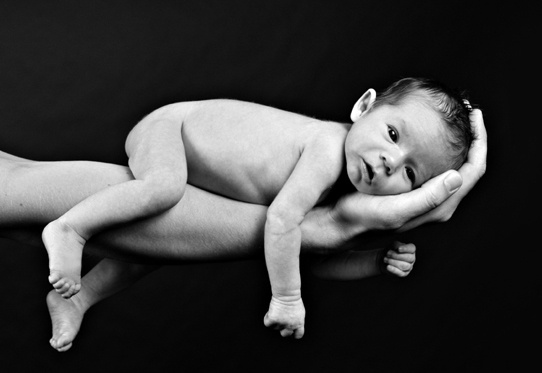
[
  {"x": 66, "y": 316},
  {"x": 65, "y": 248}
]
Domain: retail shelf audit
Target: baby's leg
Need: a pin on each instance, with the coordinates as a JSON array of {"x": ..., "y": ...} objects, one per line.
[
  {"x": 105, "y": 279},
  {"x": 157, "y": 161}
]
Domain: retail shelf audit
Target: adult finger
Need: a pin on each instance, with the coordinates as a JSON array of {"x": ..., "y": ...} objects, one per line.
[
  {"x": 475, "y": 166},
  {"x": 478, "y": 153},
  {"x": 298, "y": 334}
]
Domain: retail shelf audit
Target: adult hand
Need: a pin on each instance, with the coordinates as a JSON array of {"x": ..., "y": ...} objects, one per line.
[
  {"x": 471, "y": 172},
  {"x": 435, "y": 201}
]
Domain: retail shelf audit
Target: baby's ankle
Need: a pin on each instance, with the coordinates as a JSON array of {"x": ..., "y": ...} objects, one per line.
[{"x": 62, "y": 225}]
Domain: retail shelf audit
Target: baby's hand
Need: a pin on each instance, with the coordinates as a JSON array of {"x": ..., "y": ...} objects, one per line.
[
  {"x": 398, "y": 259},
  {"x": 286, "y": 316}
]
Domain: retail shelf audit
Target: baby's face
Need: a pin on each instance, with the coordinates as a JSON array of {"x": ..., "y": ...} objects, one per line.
[{"x": 394, "y": 149}]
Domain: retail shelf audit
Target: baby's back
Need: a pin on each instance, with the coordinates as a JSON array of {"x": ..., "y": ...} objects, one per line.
[{"x": 247, "y": 151}]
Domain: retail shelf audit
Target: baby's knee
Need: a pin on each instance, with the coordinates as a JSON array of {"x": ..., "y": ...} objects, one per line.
[{"x": 164, "y": 193}]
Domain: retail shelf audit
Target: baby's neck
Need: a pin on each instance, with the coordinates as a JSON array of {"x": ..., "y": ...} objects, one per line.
[{"x": 341, "y": 187}]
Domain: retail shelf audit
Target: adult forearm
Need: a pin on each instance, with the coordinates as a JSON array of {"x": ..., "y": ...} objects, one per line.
[
  {"x": 325, "y": 234},
  {"x": 349, "y": 265},
  {"x": 203, "y": 226}
]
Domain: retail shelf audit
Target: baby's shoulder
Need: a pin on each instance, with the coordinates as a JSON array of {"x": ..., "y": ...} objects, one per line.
[
  {"x": 327, "y": 144},
  {"x": 329, "y": 135}
]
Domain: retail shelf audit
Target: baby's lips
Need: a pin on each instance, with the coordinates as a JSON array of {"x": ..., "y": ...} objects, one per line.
[{"x": 365, "y": 176}]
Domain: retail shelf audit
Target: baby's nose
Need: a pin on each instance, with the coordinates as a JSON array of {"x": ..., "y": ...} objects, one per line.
[{"x": 389, "y": 162}]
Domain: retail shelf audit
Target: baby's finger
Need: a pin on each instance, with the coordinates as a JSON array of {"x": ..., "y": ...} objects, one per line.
[
  {"x": 410, "y": 258},
  {"x": 399, "y": 264},
  {"x": 298, "y": 334},
  {"x": 404, "y": 247},
  {"x": 269, "y": 323},
  {"x": 286, "y": 332},
  {"x": 395, "y": 271}
]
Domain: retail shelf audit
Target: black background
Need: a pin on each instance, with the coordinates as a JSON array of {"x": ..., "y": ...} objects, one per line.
[{"x": 75, "y": 77}]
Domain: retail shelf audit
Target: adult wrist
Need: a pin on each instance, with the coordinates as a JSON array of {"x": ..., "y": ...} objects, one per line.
[
  {"x": 380, "y": 264},
  {"x": 346, "y": 228}
]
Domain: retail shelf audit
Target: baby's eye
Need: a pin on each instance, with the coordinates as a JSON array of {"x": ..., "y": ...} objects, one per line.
[
  {"x": 392, "y": 133},
  {"x": 410, "y": 174}
]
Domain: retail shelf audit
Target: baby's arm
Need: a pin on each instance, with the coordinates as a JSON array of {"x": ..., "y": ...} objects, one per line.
[
  {"x": 310, "y": 178},
  {"x": 157, "y": 161},
  {"x": 397, "y": 259}
]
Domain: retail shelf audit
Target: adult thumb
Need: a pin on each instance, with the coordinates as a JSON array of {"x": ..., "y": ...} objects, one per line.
[
  {"x": 423, "y": 201},
  {"x": 453, "y": 181}
]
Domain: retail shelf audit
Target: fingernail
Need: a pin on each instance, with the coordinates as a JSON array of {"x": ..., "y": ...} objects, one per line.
[{"x": 453, "y": 182}]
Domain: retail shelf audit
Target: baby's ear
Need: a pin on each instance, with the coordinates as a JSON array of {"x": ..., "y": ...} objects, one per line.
[{"x": 363, "y": 104}]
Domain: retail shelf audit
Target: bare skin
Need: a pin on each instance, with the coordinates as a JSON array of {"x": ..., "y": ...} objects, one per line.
[
  {"x": 111, "y": 276},
  {"x": 67, "y": 314},
  {"x": 157, "y": 160},
  {"x": 163, "y": 238},
  {"x": 261, "y": 155},
  {"x": 66, "y": 318}
]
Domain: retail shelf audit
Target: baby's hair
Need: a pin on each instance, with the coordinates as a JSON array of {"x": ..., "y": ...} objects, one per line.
[{"x": 453, "y": 106}]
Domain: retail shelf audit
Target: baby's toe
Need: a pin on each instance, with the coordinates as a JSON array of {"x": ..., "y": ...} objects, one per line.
[
  {"x": 64, "y": 348},
  {"x": 59, "y": 284},
  {"x": 72, "y": 290},
  {"x": 63, "y": 289},
  {"x": 67, "y": 294},
  {"x": 54, "y": 278},
  {"x": 60, "y": 344}
]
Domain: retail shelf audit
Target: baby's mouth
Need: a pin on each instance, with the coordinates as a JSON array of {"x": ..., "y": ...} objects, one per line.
[{"x": 370, "y": 171}]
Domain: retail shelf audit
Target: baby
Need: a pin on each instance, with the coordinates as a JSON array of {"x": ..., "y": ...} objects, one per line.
[{"x": 412, "y": 131}]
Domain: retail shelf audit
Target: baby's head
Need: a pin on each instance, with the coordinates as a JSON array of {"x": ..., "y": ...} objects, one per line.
[{"x": 410, "y": 132}]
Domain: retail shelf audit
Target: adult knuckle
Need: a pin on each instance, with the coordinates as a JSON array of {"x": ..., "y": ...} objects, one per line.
[{"x": 432, "y": 200}]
